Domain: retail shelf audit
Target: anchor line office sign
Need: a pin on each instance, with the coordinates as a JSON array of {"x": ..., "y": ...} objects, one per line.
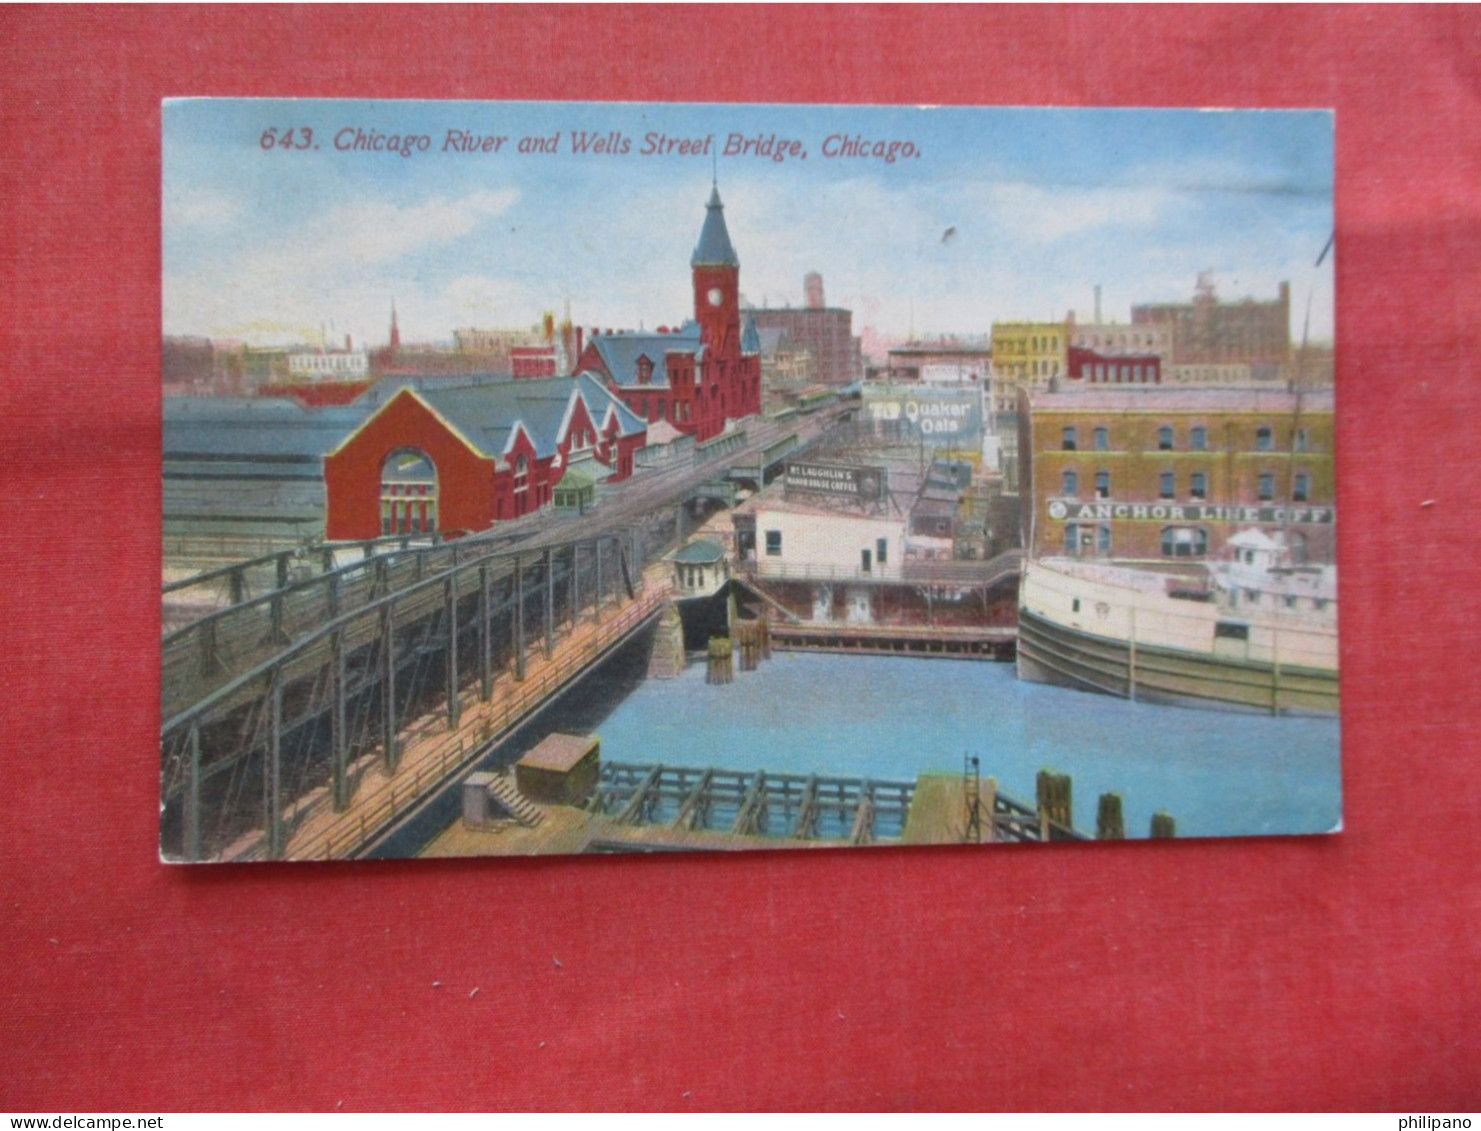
[
  {"x": 1070, "y": 510},
  {"x": 866, "y": 483}
]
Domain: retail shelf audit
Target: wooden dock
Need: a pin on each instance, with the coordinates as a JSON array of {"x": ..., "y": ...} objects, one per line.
[
  {"x": 654, "y": 808},
  {"x": 918, "y": 641}
]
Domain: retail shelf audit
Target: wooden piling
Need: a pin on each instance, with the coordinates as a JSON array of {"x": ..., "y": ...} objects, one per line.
[
  {"x": 1163, "y": 826},
  {"x": 1108, "y": 822},
  {"x": 748, "y": 636},
  {"x": 720, "y": 668},
  {"x": 1055, "y": 799},
  {"x": 763, "y": 628}
]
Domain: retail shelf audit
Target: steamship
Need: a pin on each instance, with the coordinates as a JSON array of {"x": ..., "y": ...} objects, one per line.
[{"x": 1254, "y": 633}]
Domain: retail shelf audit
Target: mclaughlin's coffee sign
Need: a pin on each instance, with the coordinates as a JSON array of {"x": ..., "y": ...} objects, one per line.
[
  {"x": 1069, "y": 510},
  {"x": 866, "y": 483}
]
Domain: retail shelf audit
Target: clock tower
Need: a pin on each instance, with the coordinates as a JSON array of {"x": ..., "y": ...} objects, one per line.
[{"x": 717, "y": 282}]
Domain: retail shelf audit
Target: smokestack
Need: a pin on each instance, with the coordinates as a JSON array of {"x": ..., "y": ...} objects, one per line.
[{"x": 1097, "y": 304}]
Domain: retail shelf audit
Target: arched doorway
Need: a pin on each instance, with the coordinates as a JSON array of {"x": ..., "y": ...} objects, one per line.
[{"x": 408, "y": 493}]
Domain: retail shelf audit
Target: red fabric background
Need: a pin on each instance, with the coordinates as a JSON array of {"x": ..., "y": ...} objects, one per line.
[{"x": 1326, "y": 972}]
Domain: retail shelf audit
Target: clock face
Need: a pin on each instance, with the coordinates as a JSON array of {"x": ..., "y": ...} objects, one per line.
[{"x": 715, "y": 297}]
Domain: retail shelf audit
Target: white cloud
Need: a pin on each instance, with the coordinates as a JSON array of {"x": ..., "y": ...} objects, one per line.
[{"x": 351, "y": 237}]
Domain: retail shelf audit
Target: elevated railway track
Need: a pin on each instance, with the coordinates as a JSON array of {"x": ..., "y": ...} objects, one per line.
[{"x": 280, "y": 693}]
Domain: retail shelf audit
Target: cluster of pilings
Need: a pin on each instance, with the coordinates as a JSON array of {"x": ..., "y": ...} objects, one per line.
[
  {"x": 751, "y": 638},
  {"x": 754, "y": 639},
  {"x": 721, "y": 667},
  {"x": 1055, "y": 796}
]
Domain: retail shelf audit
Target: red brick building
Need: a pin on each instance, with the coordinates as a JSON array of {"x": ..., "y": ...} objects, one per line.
[
  {"x": 463, "y": 456},
  {"x": 1211, "y": 331},
  {"x": 705, "y": 372},
  {"x": 1091, "y": 367}
]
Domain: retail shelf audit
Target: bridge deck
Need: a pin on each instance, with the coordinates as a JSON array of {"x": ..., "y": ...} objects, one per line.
[{"x": 432, "y": 754}]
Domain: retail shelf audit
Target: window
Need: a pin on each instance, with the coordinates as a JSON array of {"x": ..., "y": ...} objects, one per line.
[
  {"x": 1164, "y": 438},
  {"x": 1102, "y": 484},
  {"x": 1301, "y": 488},
  {"x": 1102, "y": 439},
  {"x": 1184, "y": 542},
  {"x": 1298, "y": 548},
  {"x": 1228, "y": 630},
  {"x": 1199, "y": 438},
  {"x": 1072, "y": 539},
  {"x": 864, "y": 560},
  {"x": 1103, "y": 540},
  {"x": 1166, "y": 488},
  {"x": 1303, "y": 440},
  {"x": 1264, "y": 438},
  {"x": 774, "y": 543},
  {"x": 1198, "y": 485},
  {"x": 1267, "y": 486},
  {"x": 1069, "y": 483},
  {"x": 881, "y": 550},
  {"x": 1067, "y": 439}
]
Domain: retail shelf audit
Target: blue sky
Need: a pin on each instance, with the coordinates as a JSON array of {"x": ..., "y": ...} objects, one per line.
[{"x": 269, "y": 244}]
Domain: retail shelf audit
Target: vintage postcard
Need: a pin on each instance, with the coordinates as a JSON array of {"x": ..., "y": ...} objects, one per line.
[{"x": 574, "y": 478}]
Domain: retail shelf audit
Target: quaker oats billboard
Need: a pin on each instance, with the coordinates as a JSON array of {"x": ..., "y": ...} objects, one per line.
[{"x": 942, "y": 417}]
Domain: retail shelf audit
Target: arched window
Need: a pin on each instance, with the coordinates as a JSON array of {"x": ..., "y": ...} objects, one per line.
[
  {"x": 408, "y": 493},
  {"x": 1198, "y": 485},
  {"x": 1184, "y": 542},
  {"x": 1164, "y": 438},
  {"x": 1069, "y": 482},
  {"x": 1102, "y": 439},
  {"x": 1166, "y": 485},
  {"x": 1103, "y": 484},
  {"x": 1264, "y": 438},
  {"x": 1301, "y": 488}
]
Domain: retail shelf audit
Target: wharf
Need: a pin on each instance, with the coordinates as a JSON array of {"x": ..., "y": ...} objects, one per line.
[
  {"x": 987, "y": 642},
  {"x": 622, "y": 819}
]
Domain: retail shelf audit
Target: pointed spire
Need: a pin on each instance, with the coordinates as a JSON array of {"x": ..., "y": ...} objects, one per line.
[
  {"x": 395, "y": 329},
  {"x": 714, "y": 247}
]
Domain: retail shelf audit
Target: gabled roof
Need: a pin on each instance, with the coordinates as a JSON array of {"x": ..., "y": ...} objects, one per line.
[
  {"x": 750, "y": 339},
  {"x": 487, "y": 414},
  {"x": 714, "y": 249},
  {"x": 620, "y": 352}
]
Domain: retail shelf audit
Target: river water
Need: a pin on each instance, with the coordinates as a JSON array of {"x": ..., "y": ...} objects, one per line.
[{"x": 1217, "y": 773}]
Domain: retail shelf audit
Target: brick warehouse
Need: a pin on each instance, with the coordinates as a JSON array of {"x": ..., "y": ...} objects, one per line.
[
  {"x": 1160, "y": 474},
  {"x": 702, "y": 374},
  {"x": 439, "y": 456}
]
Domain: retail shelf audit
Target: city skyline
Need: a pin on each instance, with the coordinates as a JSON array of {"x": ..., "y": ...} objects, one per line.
[{"x": 1004, "y": 214}]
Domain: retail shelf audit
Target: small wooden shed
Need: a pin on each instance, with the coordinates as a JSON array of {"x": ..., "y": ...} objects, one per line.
[{"x": 563, "y": 770}]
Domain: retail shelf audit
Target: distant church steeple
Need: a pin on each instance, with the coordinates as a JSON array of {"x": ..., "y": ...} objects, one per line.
[{"x": 395, "y": 329}]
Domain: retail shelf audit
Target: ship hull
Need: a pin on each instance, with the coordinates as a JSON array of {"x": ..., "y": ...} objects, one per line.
[{"x": 1049, "y": 652}]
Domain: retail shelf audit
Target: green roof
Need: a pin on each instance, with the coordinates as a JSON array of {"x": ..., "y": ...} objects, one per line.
[
  {"x": 699, "y": 552},
  {"x": 574, "y": 479}
]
